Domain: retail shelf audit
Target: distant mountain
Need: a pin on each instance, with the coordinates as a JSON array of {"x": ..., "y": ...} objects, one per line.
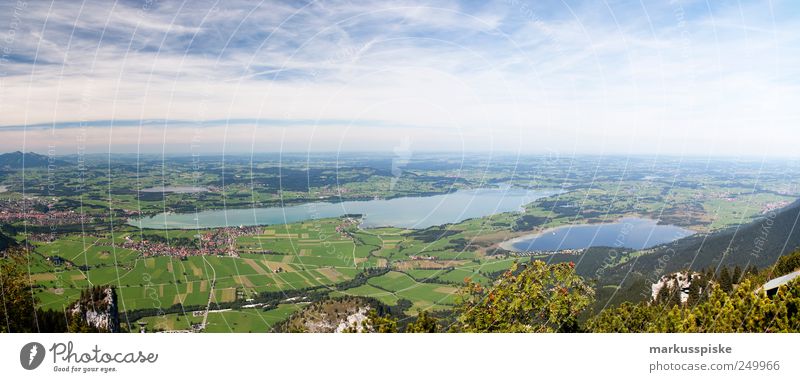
[
  {"x": 16, "y": 159},
  {"x": 759, "y": 243}
]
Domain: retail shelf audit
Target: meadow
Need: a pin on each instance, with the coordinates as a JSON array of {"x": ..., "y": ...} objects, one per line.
[{"x": 417, "y": 269}]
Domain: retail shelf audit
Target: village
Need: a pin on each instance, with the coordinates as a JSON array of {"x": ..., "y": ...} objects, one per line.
[
  {"x": 218, "y": 242},
  {"x": 35, "y": 211}
]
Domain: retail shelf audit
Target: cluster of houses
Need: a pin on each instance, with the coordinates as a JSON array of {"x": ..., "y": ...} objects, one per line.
[
  {"x": 37, "y": 212},
  {"x": 771, "y": 206},
  {"x": 416, "y": 257},
  {"x": 220, "y": 242},
  {"x": 341, "y": 229},
  {"x": 539, "y": 253}
]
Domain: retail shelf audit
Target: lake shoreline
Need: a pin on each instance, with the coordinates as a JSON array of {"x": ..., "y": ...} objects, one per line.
[
  {"x": 510, "y": 244},
  {"x": 414, "y": 212}
]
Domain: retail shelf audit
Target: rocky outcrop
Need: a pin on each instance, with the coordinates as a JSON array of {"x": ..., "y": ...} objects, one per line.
[
  {"x": 336, "y": 315},
  {"x": 96, "y": 309}
]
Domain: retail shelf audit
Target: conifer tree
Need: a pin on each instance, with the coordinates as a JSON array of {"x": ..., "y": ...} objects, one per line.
[
  {"x": 725, "y": 281},
  {"x": 694, "y": 292},
  {"x": 737, "y": 274},
  {"x": 424, "y": 324}
]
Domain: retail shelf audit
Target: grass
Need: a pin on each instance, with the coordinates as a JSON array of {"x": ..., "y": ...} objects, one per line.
[
  {"x": 388, "y": 298},
  {"x": 280, "y": 258},
  {"x": 248, "y": 320}
]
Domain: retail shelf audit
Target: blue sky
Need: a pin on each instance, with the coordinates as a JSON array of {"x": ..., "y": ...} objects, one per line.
[{"x": 617, "y": 77}]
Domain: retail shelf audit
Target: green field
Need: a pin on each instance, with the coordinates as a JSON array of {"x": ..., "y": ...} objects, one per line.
[
  {"x": 328, "y": 256},
  {"x": 252, "y": 320}
]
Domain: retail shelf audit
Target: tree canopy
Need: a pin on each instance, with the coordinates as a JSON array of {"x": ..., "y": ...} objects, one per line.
[
  {"x": 534, "y": 297},
  {"x": 745, "y": 310}
]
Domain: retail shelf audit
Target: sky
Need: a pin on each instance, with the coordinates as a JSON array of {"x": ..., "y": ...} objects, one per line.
[{"x": 672, "y": 77}]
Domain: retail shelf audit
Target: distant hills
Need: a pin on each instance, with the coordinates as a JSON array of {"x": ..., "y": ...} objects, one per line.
[{"x": 17, "y": 159}]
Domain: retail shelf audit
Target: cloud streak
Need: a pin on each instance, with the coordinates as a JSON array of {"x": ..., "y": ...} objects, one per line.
[{"x": 673, "y": 78}]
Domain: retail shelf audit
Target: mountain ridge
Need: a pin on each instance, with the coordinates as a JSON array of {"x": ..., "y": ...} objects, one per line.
[
  {"x": 759, "y": 243},
  {"x": 19, "y": 160}
]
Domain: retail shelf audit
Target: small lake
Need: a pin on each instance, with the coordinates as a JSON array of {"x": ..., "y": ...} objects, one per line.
[
  {"x": 176, "y": 189},
  {"x": 408, "y": 212},
  {"x": 635, "y": 233}
]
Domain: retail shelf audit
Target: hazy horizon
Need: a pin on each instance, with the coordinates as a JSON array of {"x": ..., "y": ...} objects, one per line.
[
  {"x": 426, "y": 154},
  {"x": 680, "y": 78}
]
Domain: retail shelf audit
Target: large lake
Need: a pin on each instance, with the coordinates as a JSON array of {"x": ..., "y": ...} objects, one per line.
[
  {"x": 635, "y": 233},
  {"x": 408, "y": 212},
  {"x": 176, "y": 189}
]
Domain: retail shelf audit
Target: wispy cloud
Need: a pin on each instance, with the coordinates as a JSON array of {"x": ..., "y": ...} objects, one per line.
[{"x": 619, "y": 77}]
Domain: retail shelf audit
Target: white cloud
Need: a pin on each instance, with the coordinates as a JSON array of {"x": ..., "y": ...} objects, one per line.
[{"x": 589, "y": 78}]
